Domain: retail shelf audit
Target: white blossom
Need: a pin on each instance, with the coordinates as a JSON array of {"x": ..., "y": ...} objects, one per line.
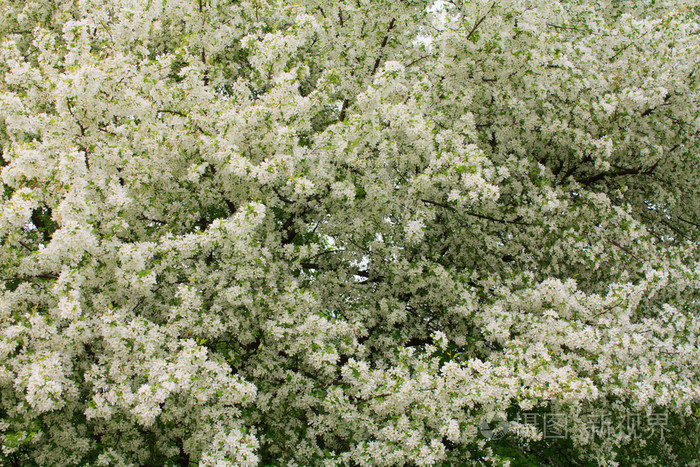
[{"x": 347, "y": 233}]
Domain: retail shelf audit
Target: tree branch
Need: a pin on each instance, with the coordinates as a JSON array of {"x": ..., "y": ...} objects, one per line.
[
  {"x": 418, "y": 60},
  {"x": 28, "y": 278},
  {"x": 619, "y": 173},
  {"x": 383, "y": 45},
  {"x": 481, "y": 20},
  {"x": 26, "y": 246},
  {"x": 341, "y": 117},
  {"x": 473, "y": 214}
]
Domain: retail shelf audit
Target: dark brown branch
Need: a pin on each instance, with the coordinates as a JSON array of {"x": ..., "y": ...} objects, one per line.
[
  {"x": 172, "y": 112},
  {"x": 570, "y": 28},
  {"x": 417, "y": 342},
  {"x": 229, "y": 204},
  {"x": 87, "y": 157},
  {"x": 481, "y": 20},
  {"x": 575, "y": 167},
  {"x": 559, "y": 169},
  {"x": 619, "y": 173},
  {"x": 622, "y": 49},
  {"x": 28, "y": 278},
  {"x": 105, "y": 130},
  {"x": 385, "y": 41},
  {"x": 291, "y": 232},
  {"x": 282, "y": 198},
  {"x": 418, "y": 60},
  {"x": 206, "y": 71},
  {"x": 83, "y": 132},
  {"x": 689, "y": 222},
  {"x": 148, "y": 219},
  {"x": 623, "y": 249},
  {"x": 442, "y": 205},
  {"x": 288, "y": 223},
  {"x": 473, "y": 214},
  {"x": 341, "y": 118},
  {"x": 26, "y": 246}
]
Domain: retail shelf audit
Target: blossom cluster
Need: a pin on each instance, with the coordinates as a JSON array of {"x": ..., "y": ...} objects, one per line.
[{"x": 347, "y": 233}]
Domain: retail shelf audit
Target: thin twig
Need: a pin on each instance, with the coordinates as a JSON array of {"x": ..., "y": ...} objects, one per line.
[{"x": 481, "y": 20}]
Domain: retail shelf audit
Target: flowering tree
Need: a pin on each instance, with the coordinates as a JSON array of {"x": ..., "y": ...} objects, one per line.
[{"x": 349, "y": 233}]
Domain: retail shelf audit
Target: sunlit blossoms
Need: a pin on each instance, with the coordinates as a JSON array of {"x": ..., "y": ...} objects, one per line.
[{"x": 349, "y": 233}]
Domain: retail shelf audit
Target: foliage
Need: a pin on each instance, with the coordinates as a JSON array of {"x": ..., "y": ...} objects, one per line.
[{"x": 348, "y": 233}]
